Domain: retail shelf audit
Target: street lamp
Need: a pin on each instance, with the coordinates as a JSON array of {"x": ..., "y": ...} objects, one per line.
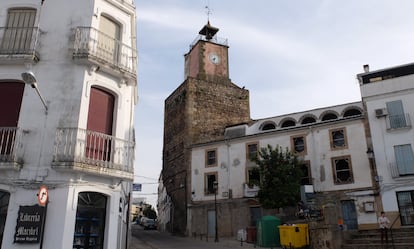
[
  {"x": 30, "y": 79},
  {"x": 215, "y": 187}
]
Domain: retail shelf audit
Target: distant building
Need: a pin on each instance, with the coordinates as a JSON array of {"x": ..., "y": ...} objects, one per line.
[
  {"x": 70, "y": 127},
  {"x": 209, "y": 139}
]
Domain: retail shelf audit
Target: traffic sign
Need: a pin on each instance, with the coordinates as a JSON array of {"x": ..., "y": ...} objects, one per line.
[{"x": 43, "y": 195}]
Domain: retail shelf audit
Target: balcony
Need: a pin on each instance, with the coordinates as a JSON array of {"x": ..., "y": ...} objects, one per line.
[
  {"x": 97, "y": 47},
  {"x": 19, "y": 44},
  {"x": 402, "y": 169},
  {"x": 250, "y": 191},
  {"x": 94, "y": 153},
  {"x": 10, "y": 147},
  {"x": 401, "y": 121}
]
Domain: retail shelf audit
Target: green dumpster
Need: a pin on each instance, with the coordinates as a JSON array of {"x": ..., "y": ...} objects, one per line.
[{"x": 268, "y": 232}]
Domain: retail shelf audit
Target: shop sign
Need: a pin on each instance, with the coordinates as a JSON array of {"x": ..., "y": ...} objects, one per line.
[{"x": 29, "y": 226}]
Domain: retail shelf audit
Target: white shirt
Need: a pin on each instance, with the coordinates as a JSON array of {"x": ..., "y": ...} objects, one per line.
[{"x": 383, "y": 222}]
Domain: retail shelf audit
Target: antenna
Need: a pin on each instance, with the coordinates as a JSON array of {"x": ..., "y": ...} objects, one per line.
[{"x": 208, "y": 10}]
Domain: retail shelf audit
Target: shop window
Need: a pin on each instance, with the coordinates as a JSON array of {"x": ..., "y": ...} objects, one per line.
[
  {"x": 4, "y": 205},
  {"x": 90, "y": 221}
]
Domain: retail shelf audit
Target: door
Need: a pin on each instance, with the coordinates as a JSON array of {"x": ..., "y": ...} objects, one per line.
[
  {"x": 405, "y": 201},
  {"x": 90, "y": 221},
  {"x": 349, "y": 215},
  {"x": 211, "y": 223},
  {"x": 108, "y": 41},
  {"x": 11, "y": 95},
  {"x": 100, "y": 119}
]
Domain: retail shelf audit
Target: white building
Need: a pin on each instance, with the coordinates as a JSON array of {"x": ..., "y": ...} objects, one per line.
[
  {"x": 330, "y": 140},
  {"x": 72, "y": 131},
  {"x": 389, "y": 98}
]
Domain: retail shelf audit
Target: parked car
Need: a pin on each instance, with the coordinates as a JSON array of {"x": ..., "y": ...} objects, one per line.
[{"x": 149, "y": 224}]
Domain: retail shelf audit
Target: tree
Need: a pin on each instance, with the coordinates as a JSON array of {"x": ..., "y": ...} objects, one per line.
[
  {"x": 149, "y": 212},
  {"x": 280, "y": 175}
]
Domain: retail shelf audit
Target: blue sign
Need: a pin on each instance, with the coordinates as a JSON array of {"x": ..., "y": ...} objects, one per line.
[{"x": 137, "y": 187}]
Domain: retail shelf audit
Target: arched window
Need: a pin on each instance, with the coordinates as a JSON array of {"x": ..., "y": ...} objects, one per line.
[
  {"x": 288, "y": 123},
  {"x": 329, "y": 116},
  {"x": 90, "y": 221},
  {"x": 268, "y": 126},
  {"x": 308, "y": 120},
  {"x": 352, "y": 112}
]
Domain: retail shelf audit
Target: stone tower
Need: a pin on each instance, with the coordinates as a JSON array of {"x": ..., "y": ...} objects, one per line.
[{"x": 197, "y": 112}]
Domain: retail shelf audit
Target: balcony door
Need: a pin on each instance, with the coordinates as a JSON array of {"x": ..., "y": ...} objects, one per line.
[
  {"x": 99, "y": 127},
  {"x": 18, "y": 34},
  {"x": 108, "y": 40},
  {"x": 11, "y": 95}
]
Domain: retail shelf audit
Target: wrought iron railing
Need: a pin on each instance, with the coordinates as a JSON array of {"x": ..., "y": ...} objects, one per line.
[
  {"x": 10, "y": 142},
  {"x": 93, "y": 44},
  {"x": 19, "y": 41},
  {"x": 398, "y": 121},
  {"x": 75, "y": 145}
]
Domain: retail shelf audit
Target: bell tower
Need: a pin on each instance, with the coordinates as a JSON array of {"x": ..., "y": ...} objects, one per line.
[
  {"x": 198, "y": 111},
  {"x": 208, "y": 56}
]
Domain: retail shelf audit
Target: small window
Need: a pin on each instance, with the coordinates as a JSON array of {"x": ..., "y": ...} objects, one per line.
[
  {"x": 268, "y": 126},
  {"x": 211, "y": 158},
  {"x": 329, "y": 116},
  {"x": 210, "y": 180},
  {"x": 396, "y": 116},
  {"x": 308, "y": 120},
  {"x": 253, "y": 176},
  {"x": 404, "y": 158},
  {"x": 306, "y": 173},
  {"x": 298, "y": 144},
  {"x": 251, "y": 151},
  {"x": 342, "y": 170},
  {"x": 288, "y": 123},
  {"x": 352, "y": 112},
  {"x": 338, "y": 139}
]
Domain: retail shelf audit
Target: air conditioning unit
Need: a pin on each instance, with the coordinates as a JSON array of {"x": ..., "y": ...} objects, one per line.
[{"x": 380, "y": 112}]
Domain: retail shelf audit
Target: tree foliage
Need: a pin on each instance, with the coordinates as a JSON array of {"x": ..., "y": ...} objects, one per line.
[
  {"x": 280, "y": 175},
  {"x": 149, "y": 212}
]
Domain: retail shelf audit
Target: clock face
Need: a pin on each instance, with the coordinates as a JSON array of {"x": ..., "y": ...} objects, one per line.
[{"x": 214, "y": 58}]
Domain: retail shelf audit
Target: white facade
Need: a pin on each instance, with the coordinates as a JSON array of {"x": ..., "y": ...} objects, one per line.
[
  {"x": 232, "y": 164},
  {"x": 73, "y": 58},
  {"x": 389, "y": 97}
]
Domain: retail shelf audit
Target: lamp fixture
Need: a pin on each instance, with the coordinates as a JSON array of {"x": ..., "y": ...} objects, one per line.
[{"x": 30, "y": 79}]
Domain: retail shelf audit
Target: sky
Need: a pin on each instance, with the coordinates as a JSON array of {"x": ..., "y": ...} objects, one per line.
[{"x": 292, "y": 56}]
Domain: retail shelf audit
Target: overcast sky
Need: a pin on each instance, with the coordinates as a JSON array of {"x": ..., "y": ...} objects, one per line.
[{"x": 292, "y": 55}]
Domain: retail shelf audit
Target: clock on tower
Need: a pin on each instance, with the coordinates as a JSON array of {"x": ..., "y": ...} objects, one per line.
[{"x": 208, "y": 57}]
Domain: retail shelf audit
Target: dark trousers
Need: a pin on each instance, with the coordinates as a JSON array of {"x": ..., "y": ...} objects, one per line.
[{"x": 384, "y": 234}]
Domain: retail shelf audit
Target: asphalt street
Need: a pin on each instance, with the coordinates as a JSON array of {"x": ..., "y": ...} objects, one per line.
[{"x": 153, "y": 239}]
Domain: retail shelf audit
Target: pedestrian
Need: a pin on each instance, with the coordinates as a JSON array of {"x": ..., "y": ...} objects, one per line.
[{"x": 384, "y": 224}]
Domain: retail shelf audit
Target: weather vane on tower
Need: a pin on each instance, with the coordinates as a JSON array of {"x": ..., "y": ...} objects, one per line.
[{"x": 208, "y": 10}]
